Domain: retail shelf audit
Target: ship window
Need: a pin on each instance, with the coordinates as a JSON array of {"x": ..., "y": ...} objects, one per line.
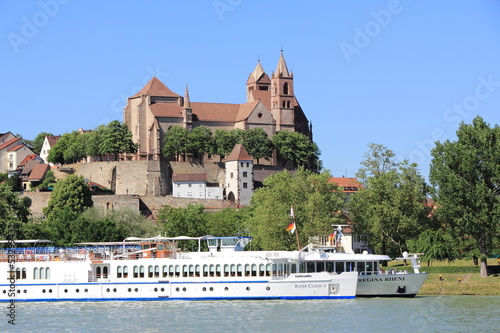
[
  {"x": 217, "y": 270},
  {"x": 23, "y": 275},
  {"x": 310, "y": 267},
  {"x": 104, "y": 272},
  {"x": 262, "y": 270},
  {"x": 320, "y": 266},
  {"x": 136, "y": 272},
  {"x": 269, "y": 269},
  {"x": 119, "y": 271},
  {"x": 191, "y": 270},
  {"x": 247, "y": 270},
  {"x": 157, "y": 271},
  {"x": 125, "y": 271},
  {"x": 212, "y": 270},
  {"x": 98, "y": 272},
  {"x": 184, "y": 270},
  {"x": 141, "y": 271},
  {"x": 18, "y": 273},
  {"x": 197, "y": 269},
  {"x": 165, "y": 271},
  {"x": 150, "y": 271},
  {"x": 226, "y": 270},
  {"x": 205, "y": 270},
  {"x": 233, "y": 270},
  {"x": 329, "y": 267},
  {"x": 339, "y": 267},
  {"x": 293, "y": 268},
  {"x": 42, "y": 273},
  {"x": 350, "y": 266},
  {"x": 240, "y": 270},
  {"x": 177, "y": 271},
  {"x": 360, "y": 267},
  {"x": 254, "y": 270},
  {"x": 369, "y": 266}
]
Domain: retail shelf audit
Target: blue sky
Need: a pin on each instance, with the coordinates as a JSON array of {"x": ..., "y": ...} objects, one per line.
[{"x": 398, "y": 73}]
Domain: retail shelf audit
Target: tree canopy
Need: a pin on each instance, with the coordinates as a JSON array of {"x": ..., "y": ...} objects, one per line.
[
  {"x": 391, "y": 208},
  {"x": 317, "y": 205},
  {"x": 72, "y": 193},
  {"x": 466, "y": 176},
  {"x": 296, "y": 148},
  {"x": 14, "y": 211},
  {"x": 37, "y": 143}
]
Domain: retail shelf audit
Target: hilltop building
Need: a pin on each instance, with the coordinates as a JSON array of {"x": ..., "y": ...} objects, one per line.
[{"x": 271, "y": 105}]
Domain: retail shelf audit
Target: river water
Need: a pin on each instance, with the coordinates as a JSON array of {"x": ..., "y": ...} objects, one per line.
[{"x": 420, "y": 314}]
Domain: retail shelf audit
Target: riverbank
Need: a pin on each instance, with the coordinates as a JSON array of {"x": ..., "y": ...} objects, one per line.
[{"x": 457, "y": 278}]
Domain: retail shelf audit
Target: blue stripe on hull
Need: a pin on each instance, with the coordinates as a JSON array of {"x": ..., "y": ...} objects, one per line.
[{"x": 177, "y": 298}]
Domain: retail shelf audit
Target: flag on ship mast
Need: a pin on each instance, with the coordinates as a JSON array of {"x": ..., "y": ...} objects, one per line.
[
  {"x": 291, "y": 227},
  {"x": 292, "y": 214}
]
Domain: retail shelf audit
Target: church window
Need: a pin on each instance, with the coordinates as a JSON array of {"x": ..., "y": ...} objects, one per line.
[
  {"x": 285, "y": 88},
  {"x": 275, "y": 89},
  {"x": 284, "y": 104},
  {"x": 288, "y": 104},
  {"x": 259, "y": 115}
]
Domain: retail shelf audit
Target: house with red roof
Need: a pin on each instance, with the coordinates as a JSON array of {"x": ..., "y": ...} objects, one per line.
[
  {"x": 12, "y": 153},
  {"x": 271, "y": 105},
  {"x": 48, "y": 143}
]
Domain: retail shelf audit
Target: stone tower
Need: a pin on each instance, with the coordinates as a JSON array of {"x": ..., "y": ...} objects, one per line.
[
  {"x": 239, "y": 176},
  {"x": 282, "y": 97}
]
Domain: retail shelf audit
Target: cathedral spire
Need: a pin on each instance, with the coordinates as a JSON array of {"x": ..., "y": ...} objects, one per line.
[
  {"x": 187, "y": 103},
  {"x": 257, "y": 73},
  {"x": 282, "y": 69}
]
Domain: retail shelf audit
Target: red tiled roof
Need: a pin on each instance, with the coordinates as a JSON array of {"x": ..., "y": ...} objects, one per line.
[
  {"x": 155, "y": 88},
  {"x": 52, "y": 139},
  {"x": 38, "y": 172},
  {"x": 245, "y": 109},
  {"x": 28, "y": 158},
  {"x": 189, "y": 177},
  {"x": 8, "y": 143},
  {"x": 215, "y": 111},
  {"x": 170, "y": 110},
  {"x": 349, "y": 184},
  {"x": 264, "y": 96},
  {"x": 15, "y": 148},
  {"x": 239, "y": 153}
]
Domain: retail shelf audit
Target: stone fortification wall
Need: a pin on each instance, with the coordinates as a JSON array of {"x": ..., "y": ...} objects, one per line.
[
  {"x": 124, "y": 177},
  {"x": 39, "y": 200},
  {"x": 154, "y": 204}
]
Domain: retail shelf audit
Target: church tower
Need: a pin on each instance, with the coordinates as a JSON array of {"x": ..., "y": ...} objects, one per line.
[
  {"x": 282, "y": 97},
  {"x": 257, "y": 81},
  {"x": 187, "y": 112}
]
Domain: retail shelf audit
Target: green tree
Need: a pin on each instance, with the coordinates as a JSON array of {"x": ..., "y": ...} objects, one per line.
[
  {"x": 189, "y": 221},
  {"x": 69, "y": 148},
  {"x": 435, "y": 245},
  {"x": 228, "y": 222},
  {"x": 200, "y": 140},
  {"x": 37, "y": 143},
  {"x": 115, "y": 138},
  {"x": 175, "y": 142},
  {"x": 390, "y": 209},
  {"x": 316, "y": 204},
  {"x": 466, "y": 177},
  {"x": 48, "y": 181},
  {"x": 257, "y": 144},
  {"x": 14, "y": 211},
  {"x": 378, "y": 161},
  {"x": 71, "y": 192},
  {"x": 296, "y": 148},
  {"x": 224, "y": 142}
]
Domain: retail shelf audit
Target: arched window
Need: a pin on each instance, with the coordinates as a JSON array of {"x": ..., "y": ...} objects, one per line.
[
  {"x": 23, "y": 274},
  {"x": 105, "y": 272},
  {"x": 157, "y": 271},
  {"x": 262, "y": 270},
  {"x": 97, "y": 272},
  {"x": 288, "y": 104},
  {"x": 141, "y": 271},
  {"x": 184, "y": 270},
  {"x": 205, "y": 270},
  {"x": 285, "y": 88},
  {"x": 150, "y": 271},
  {"x": 136, "y": 272},
  {"x": 47, "y": 273},
  {"x": 240, "y": 270},
  {"x": 226, "y": 270},
  {"x": 35, "y": 273},
  {"x": 125, "y": 271},
  {"x": 217, "y": 270},
  {"x": 254, "y": 270},
  {"x": 177, "y": 271},
  {"x": 275, "y": 89},
  {"x": 42, "y": 273},
  {"x": 165, "y": 271},
  {"x": 197, "y": 269},
  {"x": 247, "y": 270},
  {"x": 284, "y": 104},
  {"x": 119, "y": 271}
]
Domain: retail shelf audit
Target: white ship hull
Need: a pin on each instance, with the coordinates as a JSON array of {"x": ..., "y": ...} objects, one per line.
[{"x": 390, "y": 285}]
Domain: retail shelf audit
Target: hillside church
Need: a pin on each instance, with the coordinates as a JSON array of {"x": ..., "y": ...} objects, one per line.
[{"x": 271, "y": 105}]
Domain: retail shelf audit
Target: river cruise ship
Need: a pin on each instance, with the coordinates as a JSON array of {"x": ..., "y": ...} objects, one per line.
[{"x": 157, "y": 269}]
